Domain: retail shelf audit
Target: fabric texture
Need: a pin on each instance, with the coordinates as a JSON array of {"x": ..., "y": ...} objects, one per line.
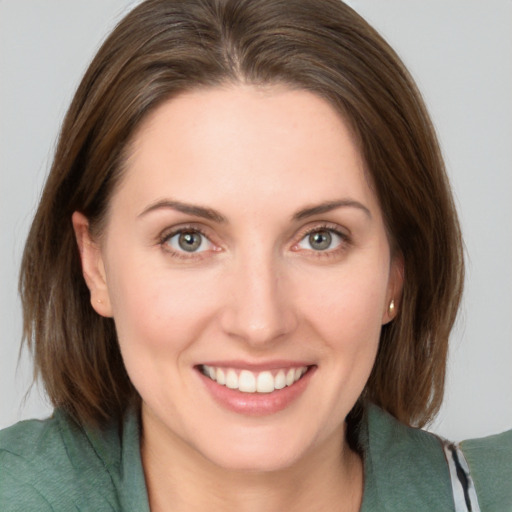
[
  {"x": 57, "y": 465},
  {"x": 463, "y": 487},
  {"x": 490, "y": 462}
]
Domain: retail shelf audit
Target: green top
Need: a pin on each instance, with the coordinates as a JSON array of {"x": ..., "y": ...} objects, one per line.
[{"x": 57, "y": 465}]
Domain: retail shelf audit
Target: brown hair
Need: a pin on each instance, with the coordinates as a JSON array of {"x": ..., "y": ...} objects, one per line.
[{"x": 164, "y": 47}]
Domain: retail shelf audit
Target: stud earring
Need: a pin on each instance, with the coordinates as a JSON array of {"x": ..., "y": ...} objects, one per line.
[
  {"x": 391, "y": 308},
  {"x": 99, "y": 301}
]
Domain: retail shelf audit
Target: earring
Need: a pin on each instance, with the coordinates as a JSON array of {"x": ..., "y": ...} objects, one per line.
[
  {"x": 99, "y": 301},
  {"x": 391, "y": 308}
]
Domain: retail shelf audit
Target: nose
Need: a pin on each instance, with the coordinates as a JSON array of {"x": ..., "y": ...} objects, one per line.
[{"x": 258, "y": 304}]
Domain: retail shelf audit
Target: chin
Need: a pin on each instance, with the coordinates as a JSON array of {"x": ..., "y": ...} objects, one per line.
[
  {"x": 258, "y": 450},
  {"x": 267, "y": 460}
]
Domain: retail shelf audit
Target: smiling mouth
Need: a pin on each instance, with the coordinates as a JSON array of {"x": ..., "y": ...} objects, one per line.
[{"x": 247, "y": 381}]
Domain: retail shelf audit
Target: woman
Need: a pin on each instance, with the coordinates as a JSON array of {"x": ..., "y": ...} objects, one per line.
[{"x": 242, "y": 275}]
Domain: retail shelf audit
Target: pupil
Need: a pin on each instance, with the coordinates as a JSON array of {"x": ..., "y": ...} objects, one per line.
[
  {"x": 189, "y": 241},
  {"x": 320, "y": 240}
]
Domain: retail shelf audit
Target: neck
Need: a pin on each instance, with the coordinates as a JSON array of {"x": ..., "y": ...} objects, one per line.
[{"x": 180, "y": 479}]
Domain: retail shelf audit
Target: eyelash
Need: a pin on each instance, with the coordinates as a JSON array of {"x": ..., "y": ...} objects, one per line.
[
  {"x": 168, "y": 235},
  {"x": 345, "y": 240}
]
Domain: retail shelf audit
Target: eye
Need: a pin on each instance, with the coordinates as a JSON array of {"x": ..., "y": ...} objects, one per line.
[
  {"x": 190, "y": 241},
  {"x": 321, "y": 240}
]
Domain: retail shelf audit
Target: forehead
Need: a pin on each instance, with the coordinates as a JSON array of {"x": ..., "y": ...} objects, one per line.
[{"x": 245, "y": 142}]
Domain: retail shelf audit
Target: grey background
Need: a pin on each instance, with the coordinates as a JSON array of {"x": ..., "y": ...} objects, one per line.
[{"x": 460, "y": 52}]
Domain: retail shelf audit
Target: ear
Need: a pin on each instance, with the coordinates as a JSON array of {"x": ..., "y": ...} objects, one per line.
[
  {"x": 93, "y": 268},
  {"x": 395, "y": 287}
]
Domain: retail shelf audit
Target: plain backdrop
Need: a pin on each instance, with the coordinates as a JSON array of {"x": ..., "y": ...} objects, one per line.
[{"x": 459, "y": 51}]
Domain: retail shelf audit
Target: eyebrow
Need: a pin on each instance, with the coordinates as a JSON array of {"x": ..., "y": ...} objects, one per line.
[
  {"x": 190, "y": 209},
  {"x": 215, "y": 216},
  {"x": 329, "y": 206}
]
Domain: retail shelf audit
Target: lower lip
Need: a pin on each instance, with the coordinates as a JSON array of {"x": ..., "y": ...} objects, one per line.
[{"x": 257, "y": 404}]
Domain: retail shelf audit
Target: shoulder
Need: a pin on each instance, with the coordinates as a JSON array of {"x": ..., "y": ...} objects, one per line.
[
  {"x": 490, "y": 463},
  {"x": 17, "y": 455},
  {"x": 405, "y": 468},
  {"x": 54, "y": 465}
]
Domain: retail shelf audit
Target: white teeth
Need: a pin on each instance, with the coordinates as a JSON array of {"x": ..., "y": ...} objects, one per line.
[
  {"x": 251, "y": 382},
  {"x": 221, "y": 376},
  {"x": 246, "y": 382},
  {"x": 279, "y": 381},
  {"x": 265, "y": 383},
  {"x": 232, "y": 379}
]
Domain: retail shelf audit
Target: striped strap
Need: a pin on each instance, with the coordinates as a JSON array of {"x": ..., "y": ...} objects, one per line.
[{"x": 464, "y": 493}]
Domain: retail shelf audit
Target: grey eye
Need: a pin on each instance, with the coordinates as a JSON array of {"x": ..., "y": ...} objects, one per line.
[
  {"x": 189, "y": 241},
  {"x": 321, "y": 240}
]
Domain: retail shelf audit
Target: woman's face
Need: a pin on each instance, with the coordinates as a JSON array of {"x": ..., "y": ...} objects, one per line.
[{"x": 246, "y": 265}]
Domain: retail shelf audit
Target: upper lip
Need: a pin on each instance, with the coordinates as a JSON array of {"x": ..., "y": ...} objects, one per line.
[{"x": 257, "y": 366}]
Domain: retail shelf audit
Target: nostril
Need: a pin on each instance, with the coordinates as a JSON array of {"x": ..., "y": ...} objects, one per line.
[{"x": 257, "y": 327}]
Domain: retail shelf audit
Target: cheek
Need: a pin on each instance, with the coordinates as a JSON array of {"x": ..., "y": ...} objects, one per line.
[
  {"x": 156, "y": 309},
  {"x": 346, "y": 303},
  {"x": 158, "y": 318},
  {"x": 344, "y": 310}
]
